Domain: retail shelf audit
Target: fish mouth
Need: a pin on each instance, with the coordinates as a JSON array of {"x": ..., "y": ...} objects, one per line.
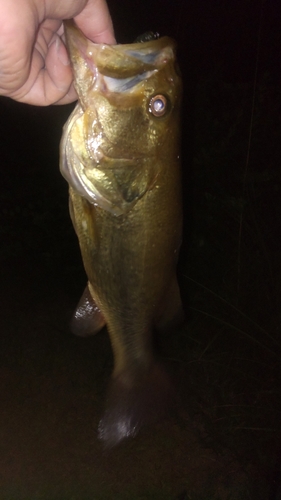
[{"x": 123, "y": 66}]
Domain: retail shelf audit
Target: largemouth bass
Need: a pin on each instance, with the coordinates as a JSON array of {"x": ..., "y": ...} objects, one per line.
[{"x": 120, "y": 154}]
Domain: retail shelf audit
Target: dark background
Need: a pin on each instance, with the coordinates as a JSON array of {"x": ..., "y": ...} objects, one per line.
[{"x": 226, "y": 360}]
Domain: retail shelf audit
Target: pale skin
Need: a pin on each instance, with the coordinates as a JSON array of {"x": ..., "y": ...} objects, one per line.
[{"x": 34, "y": 65}]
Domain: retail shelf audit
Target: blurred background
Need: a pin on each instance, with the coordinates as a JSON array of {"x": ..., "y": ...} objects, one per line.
[{"x": 223, "y": 442}]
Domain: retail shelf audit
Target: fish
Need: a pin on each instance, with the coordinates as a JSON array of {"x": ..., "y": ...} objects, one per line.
[{"x": 120, "y": 154}]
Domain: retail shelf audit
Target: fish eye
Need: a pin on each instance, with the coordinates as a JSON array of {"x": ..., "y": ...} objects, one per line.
[{"x": 158, "y": 105}]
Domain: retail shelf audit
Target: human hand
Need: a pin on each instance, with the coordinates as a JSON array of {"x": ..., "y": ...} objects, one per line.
[{"x": 34, "y": 64}]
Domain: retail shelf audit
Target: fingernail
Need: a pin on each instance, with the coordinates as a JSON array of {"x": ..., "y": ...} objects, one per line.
[{"x": 62, "y": 52}]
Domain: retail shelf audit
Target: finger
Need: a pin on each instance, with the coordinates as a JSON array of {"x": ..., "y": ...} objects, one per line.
[
  {"x": 92, "y": 17},
  {"x": 96, "y": 23},
  {"x": 50, "y": 78},
  {"x": 17, "y": 34}
]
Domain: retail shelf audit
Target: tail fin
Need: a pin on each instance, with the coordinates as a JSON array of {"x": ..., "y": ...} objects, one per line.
[{"x": 133, "y": 401}]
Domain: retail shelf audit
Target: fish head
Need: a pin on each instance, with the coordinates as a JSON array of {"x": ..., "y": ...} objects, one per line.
[{"x": 125, "y": 121}]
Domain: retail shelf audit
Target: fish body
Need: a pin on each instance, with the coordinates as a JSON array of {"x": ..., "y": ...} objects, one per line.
[{"x": 120, "y": 153}]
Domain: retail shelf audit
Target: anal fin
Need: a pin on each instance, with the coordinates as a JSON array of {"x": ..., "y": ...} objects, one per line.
[{"x": 87, "y": 319}]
